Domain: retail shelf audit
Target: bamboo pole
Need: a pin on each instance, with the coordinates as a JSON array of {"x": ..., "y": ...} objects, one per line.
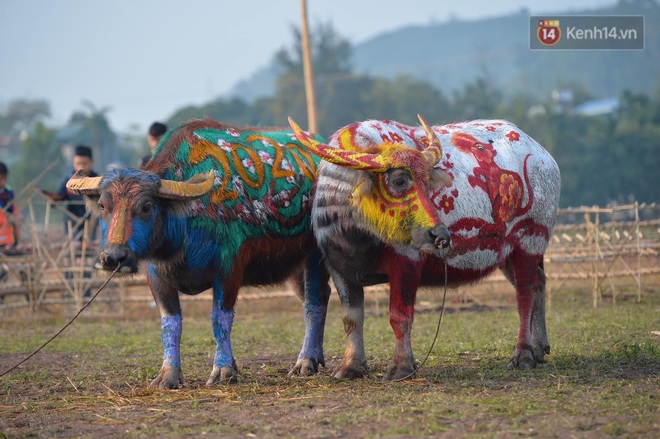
[
  {"x": 32, "y": 294},
  {"x": 308, "y": 70},
  {"x": 598, "y": 255},
  {"x": 81, "y": 276},
  {"x": 639, "y": 254},
  {"x": 594, "y": 282}
]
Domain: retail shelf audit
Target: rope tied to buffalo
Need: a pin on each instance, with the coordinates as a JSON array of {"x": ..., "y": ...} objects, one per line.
[{"x": 65, "y": 326}]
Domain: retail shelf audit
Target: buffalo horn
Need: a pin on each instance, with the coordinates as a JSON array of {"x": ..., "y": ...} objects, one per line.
[
  {"x": 342, "y": 157},
  {"x": 84, "y": 185},
  {"x": 197, "y": 186},
  {"x": 433, "y": 152}
]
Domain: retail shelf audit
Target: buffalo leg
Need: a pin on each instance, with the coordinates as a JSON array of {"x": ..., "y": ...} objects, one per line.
[
  {"x": 167, "y": 300},
  {"x": 404, "y": 280},
  {"x": 222, "y": 320},
  {"x": 316, "y": 296},
  {"x": 524, "y": 270},
  {"x": 539, "y": 331},
  {"x": 354, "y": 363}
]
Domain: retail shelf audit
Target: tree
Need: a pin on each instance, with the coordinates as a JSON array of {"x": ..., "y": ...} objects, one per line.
[
  {"x": 602, "y": 158},
  {"x": 342, "y": 101},
  {"x": 331, "y": 53},
  {"x": 90, "y": 126},
  {"x": 233, "y": 111},
  {"x": 16, "y": 119},
  {"x": 403, "y": 98},
  {"x": 477, "y": 100},
  {"x": 331, "y": 57},
  {"x": 38, "y": 151},
  {"x": 634, "y": 149},
  {"x": 20, "y": 115}
]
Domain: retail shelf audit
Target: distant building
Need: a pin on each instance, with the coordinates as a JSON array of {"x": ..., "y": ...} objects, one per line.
[
  {"x": 562, "y": 100},
  {"x": 598, "y": 107}
]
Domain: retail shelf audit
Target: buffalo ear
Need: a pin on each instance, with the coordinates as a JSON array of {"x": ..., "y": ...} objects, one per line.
[
  {"x": 438, "y": 179},
  {"x": 363, "y": 186},
  {"x": 92, "y": 205}
]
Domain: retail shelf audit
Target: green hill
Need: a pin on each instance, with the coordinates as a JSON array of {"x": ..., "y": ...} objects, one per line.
[
  {"x": 450, "y": 54},
  {"x": 453, "y": 53}
]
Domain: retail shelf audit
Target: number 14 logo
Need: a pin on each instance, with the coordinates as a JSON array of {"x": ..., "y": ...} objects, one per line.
[{"x": 548, "y": 32}]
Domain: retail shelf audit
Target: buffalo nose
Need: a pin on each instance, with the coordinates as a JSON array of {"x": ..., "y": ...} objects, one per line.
[
  {"x": 440, "y": 236},
  {"x": 109, "y": 259}
]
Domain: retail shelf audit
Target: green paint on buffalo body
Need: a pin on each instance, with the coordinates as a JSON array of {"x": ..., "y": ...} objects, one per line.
[{"x": 263, "y": 182}]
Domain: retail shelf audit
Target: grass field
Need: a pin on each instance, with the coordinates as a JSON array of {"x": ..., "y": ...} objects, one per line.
[{"x": 602, "y": 378}]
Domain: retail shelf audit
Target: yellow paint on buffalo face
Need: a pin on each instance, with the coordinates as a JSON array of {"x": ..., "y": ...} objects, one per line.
[
  {"x": 394, "y": 215},
  {"x": 117, "y": 231}
]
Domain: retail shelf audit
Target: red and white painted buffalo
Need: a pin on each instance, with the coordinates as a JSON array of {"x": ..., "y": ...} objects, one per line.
[{"x": 388, "y": 193}]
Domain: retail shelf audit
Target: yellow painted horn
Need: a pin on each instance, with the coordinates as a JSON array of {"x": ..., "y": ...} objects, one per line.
[
  {"x": 200, "y": 184},
  {"x": 84, "y": 185},
  {"x": 347, "y": 159},
  {"x": 433, "y": 153}
]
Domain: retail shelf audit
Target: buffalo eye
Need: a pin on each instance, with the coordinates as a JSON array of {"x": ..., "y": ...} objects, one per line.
[
  {"x": 146, "y": 208},
  {"x": 399, "y": 180},
  {"x": 104, "y": 205}
]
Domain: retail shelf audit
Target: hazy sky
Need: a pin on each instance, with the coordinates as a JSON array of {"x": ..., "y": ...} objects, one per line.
[{"x": 147, "y": 58}]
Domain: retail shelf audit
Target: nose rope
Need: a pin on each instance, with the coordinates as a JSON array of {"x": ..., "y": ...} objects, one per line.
[
  {"x": 437, "y": 331},
  {"x": 65, "y": 326}
]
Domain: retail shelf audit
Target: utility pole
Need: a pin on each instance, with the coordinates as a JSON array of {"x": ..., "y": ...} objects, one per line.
[{"x": 308, "y": 70}]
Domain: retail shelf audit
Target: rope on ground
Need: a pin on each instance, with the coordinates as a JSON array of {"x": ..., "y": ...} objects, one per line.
[{"x": 65, "y": 326}]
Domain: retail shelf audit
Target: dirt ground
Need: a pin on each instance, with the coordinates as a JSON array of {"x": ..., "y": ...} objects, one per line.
[{"x": 92, "y": 385}]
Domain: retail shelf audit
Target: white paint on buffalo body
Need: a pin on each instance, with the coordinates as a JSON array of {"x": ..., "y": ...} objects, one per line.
[{"x": 498, "y": 200}]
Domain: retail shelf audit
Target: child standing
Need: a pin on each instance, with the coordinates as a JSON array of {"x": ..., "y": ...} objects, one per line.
[{"x": 8, "y": 213}]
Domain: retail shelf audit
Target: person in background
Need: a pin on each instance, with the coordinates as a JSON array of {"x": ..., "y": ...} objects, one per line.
[
  {"x": 156, "y": 131},
  {"x": 82, "y": 163},
  {"x": 8, "y": 214}
]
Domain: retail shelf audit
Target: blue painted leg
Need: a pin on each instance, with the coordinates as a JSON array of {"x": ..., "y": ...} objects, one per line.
[
  {"x": 224, "y": 365},
  {"x": 317, "y": 294},
  {"x": 170, "y": 375},
  {"x": 311, "y": 354}
]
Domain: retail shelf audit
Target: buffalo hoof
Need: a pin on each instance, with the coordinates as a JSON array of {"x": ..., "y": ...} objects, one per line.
[
  {"x": 169, "y": 377},
  {"x": 223, "y": 375},
  {"x": 401, "y": 371},
  {"x": 306, "y": 367},
  {"x": 522, "y": 359},
  {"x": 350, "y": 371},
  {"x": 540, "y": 351}
]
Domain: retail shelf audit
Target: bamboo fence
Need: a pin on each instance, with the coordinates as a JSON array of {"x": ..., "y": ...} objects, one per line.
[{"x": 608, "y": 250}]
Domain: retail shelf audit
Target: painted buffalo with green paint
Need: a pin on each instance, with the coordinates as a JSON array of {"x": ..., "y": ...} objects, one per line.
[{"x": 216, "y": 207}]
